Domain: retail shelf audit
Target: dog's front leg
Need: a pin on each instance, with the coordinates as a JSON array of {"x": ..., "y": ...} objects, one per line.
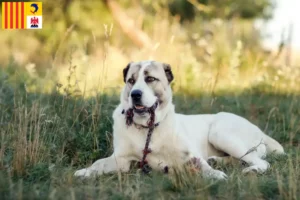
[
  {"x": 207, "y": 170},
  {"x": 105, "y": 165}
]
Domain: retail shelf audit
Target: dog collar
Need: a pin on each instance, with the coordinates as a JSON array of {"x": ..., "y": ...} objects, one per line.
[{"x": 139, "y": 126}]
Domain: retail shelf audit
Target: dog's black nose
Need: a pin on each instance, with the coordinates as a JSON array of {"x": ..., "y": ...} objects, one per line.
[{"x": 136, "y": 95}]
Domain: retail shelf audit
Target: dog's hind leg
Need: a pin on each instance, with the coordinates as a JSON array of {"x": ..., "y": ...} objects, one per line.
[
  {"x": 256, "y": 164},
  {"x": 240, "y": 150}
]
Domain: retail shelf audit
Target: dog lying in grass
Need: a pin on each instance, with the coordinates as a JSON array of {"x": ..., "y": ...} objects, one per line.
[{"x": 164, "y": 140}]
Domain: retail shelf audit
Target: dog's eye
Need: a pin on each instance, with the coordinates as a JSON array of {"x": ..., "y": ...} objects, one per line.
[
  {"x": 150, "y": 79},
  {"x": 131, "y": 81}
]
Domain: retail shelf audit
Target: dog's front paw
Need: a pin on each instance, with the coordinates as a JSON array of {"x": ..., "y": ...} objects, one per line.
[
  {"x": 215, "y": 174},
  {"x": 85, "y": 173}
]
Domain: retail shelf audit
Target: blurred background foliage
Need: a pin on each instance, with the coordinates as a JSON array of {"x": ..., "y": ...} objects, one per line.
[{"x": 212, "y": 43}]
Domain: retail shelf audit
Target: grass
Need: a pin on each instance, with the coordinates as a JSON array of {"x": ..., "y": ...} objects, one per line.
[
  {"x": 44, "y": 138},
  {"x": 49, "y": 129}
]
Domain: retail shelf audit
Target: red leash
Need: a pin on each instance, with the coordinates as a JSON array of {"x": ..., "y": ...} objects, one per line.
[{"x": 143, "y": 164}]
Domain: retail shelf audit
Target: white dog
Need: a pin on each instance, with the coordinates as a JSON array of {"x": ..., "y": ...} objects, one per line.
[{"x": 177, "y": 139}]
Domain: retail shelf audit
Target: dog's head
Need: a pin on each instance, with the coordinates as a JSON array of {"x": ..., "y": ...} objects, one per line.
[{"x": 147, "y": 83}]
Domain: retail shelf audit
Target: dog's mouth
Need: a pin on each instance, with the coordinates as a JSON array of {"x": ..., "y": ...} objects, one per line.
[{"x": 140, "y": 109}]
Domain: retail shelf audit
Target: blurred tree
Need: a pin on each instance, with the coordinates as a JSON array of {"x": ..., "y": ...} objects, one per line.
[
  {"x": 224, "y": 9},
  {"x": 140, "y": 38},
  {"x": 80, "y": 24}
]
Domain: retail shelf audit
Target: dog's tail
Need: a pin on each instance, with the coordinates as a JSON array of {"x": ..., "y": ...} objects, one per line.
[{"x": 273, "y": 146}]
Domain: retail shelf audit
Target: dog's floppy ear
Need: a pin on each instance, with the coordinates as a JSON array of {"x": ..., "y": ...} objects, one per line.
[
  {"x": 125, "y": 71},
  {"x": 168, "y": 72}
]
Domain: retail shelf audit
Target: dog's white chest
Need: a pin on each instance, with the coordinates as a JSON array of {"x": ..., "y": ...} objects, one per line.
[{"x": 166, "y": 149}]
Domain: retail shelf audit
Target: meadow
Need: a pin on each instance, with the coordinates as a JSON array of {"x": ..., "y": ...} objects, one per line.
[
  {"x": 56, "y": 113},
  {"x": 45, "y": 137}
]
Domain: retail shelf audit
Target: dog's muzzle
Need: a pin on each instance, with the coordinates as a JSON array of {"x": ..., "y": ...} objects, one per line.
[
  {"x": 136, "y": 96},
  {"x": 137, "y": 104}
]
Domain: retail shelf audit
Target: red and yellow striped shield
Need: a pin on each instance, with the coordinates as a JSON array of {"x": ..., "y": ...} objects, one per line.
[{"x": 21, "y": 15}]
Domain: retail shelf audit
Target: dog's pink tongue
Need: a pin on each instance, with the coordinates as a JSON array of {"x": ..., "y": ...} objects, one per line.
[{"x": 139, "y": 107}]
